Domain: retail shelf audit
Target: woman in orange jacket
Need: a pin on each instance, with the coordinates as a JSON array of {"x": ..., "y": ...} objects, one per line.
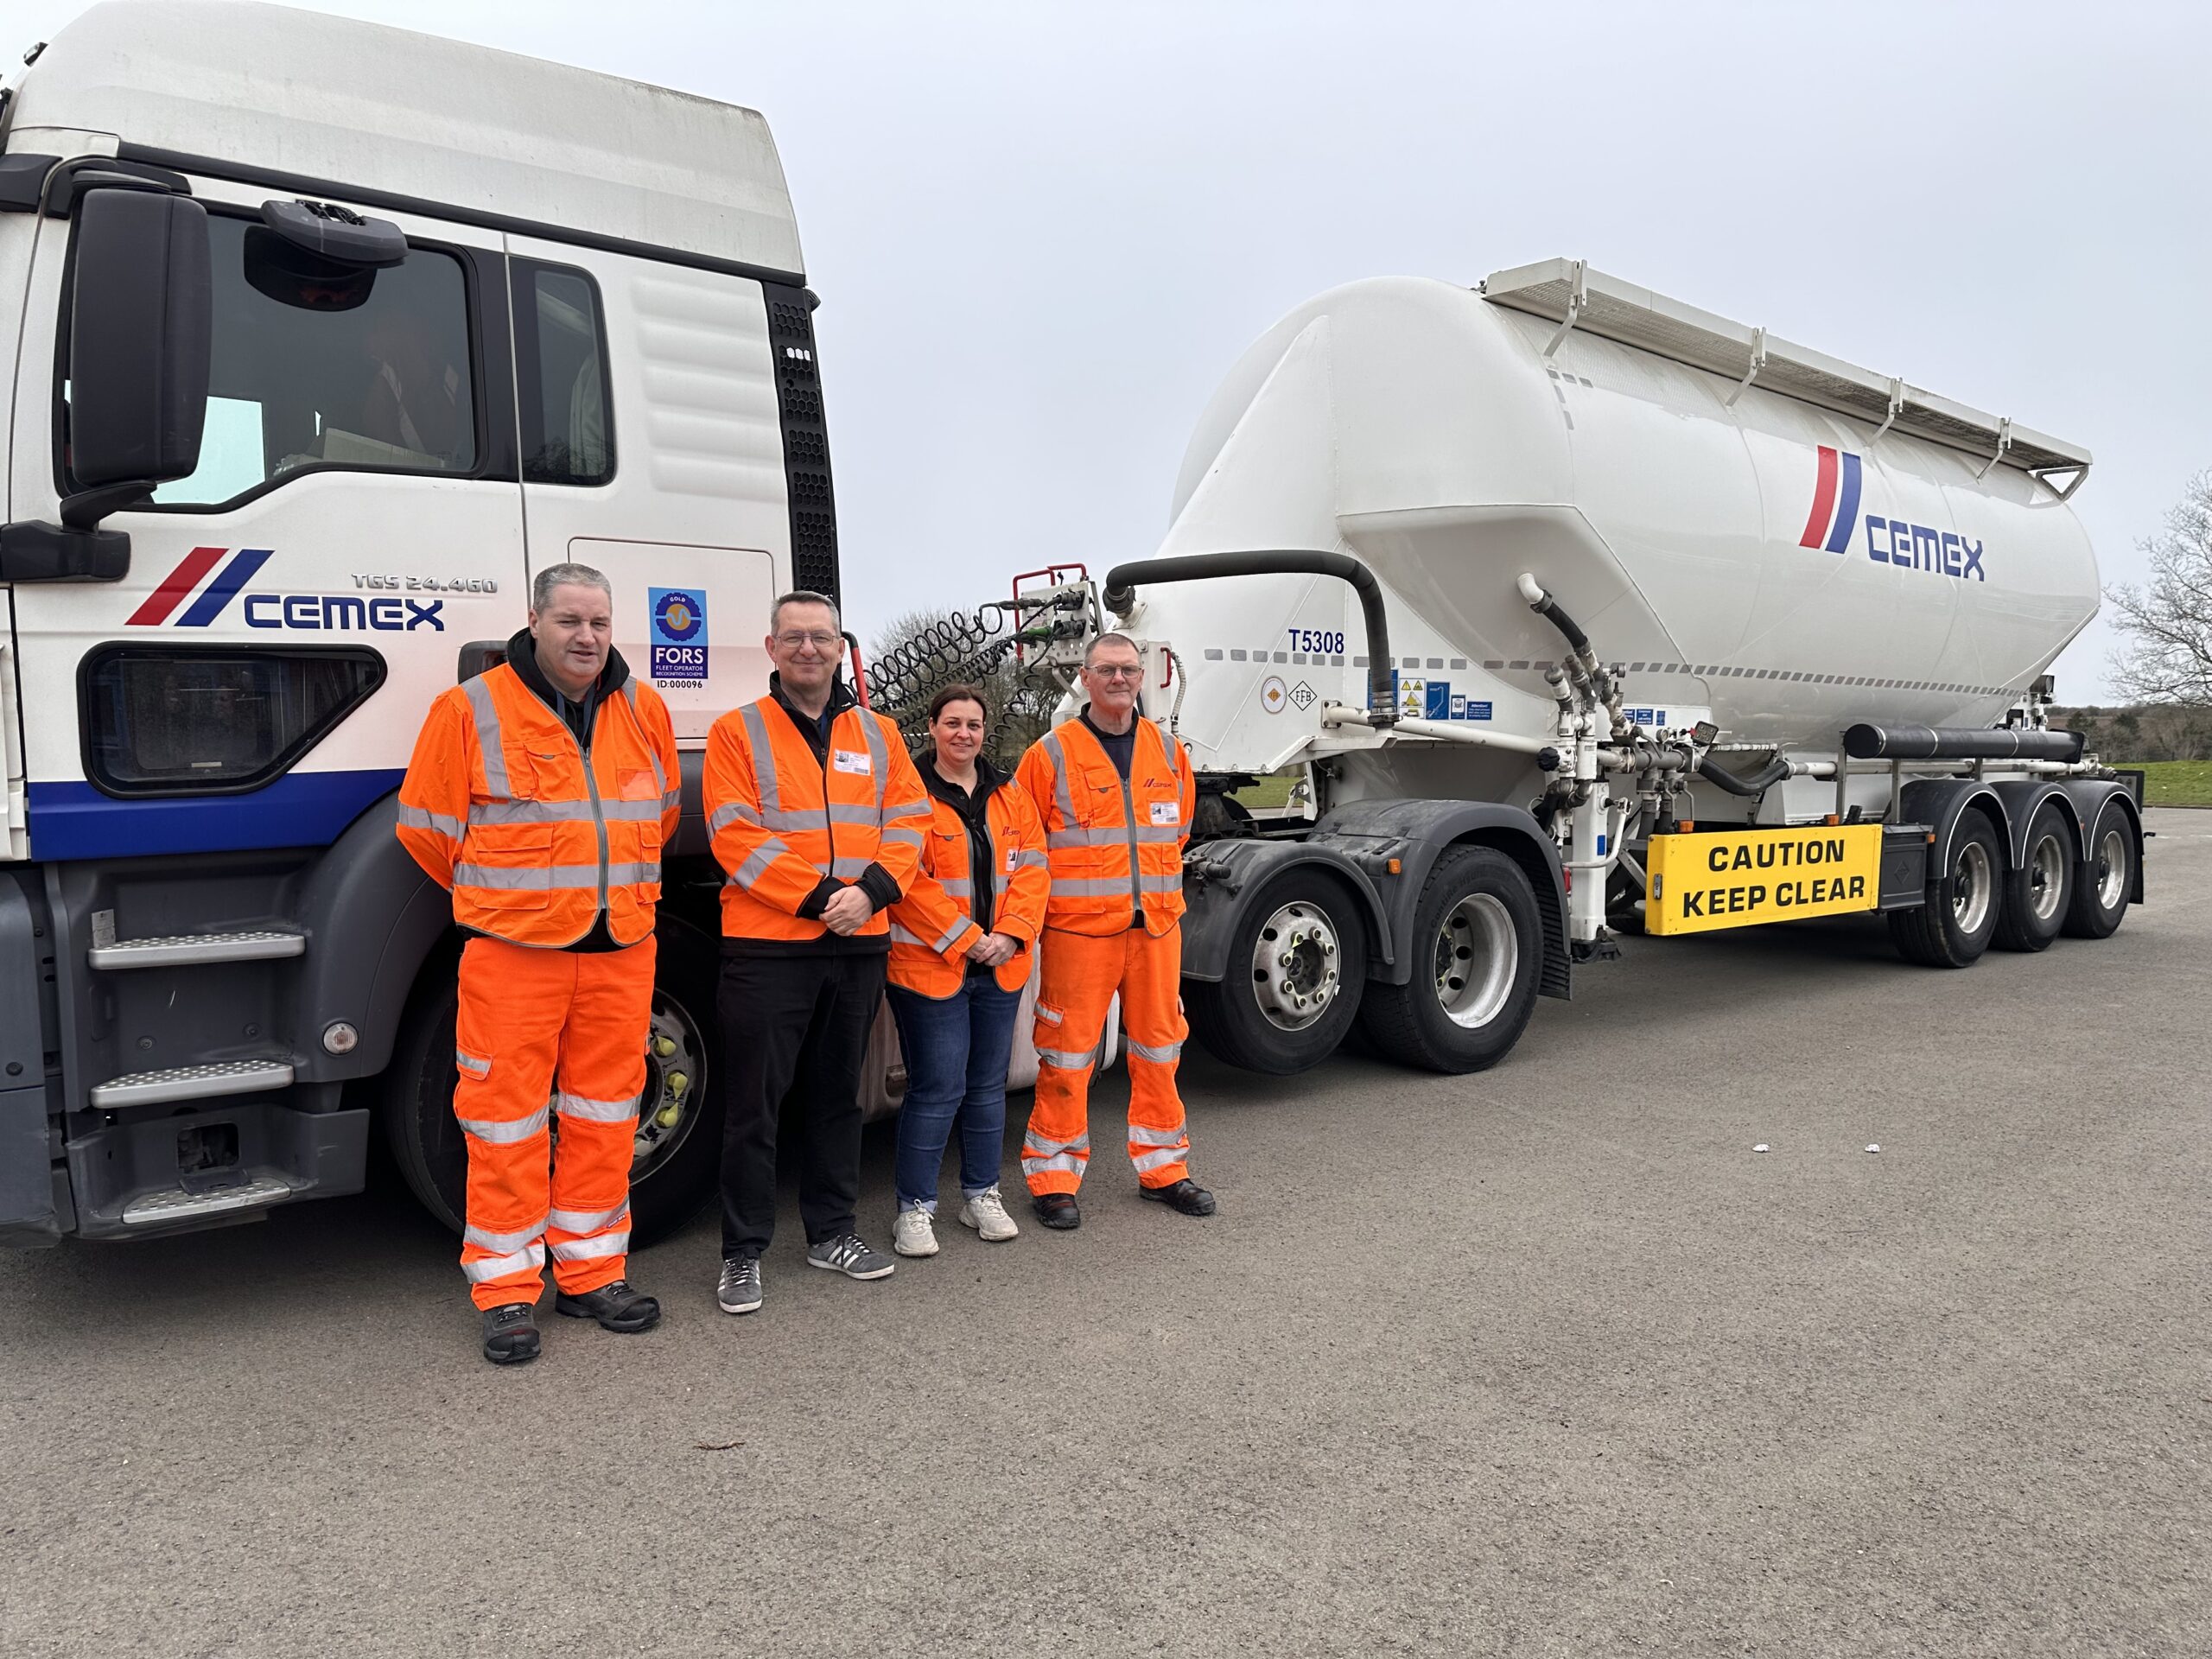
[{"x": 961, "y": 940}]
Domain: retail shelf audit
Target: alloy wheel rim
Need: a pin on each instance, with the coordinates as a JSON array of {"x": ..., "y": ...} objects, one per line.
[
  {"x": 1477, "y": 956},
  {"x": 1297, "y": 965}
]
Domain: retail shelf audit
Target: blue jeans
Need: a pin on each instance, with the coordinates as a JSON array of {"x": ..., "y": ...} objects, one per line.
[{"x": 957, "y": 1050}]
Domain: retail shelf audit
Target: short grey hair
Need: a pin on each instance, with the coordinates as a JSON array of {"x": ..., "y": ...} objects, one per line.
[
  {"x": 1090, "y": 651},
  {"x": 566, "y": 575},
  {"x": 803, "y": 596}
]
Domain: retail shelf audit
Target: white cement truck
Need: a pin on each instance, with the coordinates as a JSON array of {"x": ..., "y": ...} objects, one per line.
[{"x": 1580, "y": 610}]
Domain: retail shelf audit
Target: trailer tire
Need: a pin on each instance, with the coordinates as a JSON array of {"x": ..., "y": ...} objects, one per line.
[
  {"x": 1250, "y": 1018},
  {"x": 1954, "y": 925},
  {"x": 669, "y": 1183},
  {"x": 2037, "y": 895},
  {"x": 1477, "y": 947},
  {"x": 2106, "y": 878}
]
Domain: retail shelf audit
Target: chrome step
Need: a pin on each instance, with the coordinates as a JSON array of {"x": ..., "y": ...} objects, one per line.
[
  {"x": 179, "y": 950},
  {"x": 153, "y": 1209},
  {"x": 192, "y": 1083}
]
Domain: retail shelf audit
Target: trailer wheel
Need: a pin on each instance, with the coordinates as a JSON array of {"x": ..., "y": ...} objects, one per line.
[
  {"x": 1477, "y": 945},
  {"x": 2103, "y": 882},
  {"x": 1297, "y": 967},
  {"x": 2038, "y": 894},
  {"x": 1953, "y": 927},
  {"x": 678, "y": 1142}
]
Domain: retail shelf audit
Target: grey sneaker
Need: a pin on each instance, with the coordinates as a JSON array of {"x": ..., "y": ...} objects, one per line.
[
  {"x": 739, "y": 1290},
  {"x": 846, "y": 1254}
]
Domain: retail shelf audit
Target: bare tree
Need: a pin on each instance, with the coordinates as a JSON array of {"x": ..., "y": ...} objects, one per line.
[
  {"x": 2168, "y": 659},
  {"x": 919, "y": 652}
]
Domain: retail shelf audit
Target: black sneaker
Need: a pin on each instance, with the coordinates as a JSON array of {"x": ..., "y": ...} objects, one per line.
[
  {"x": 740, "y": 1289},
  {"x": 511, "y": 1334},
  {"x": 616, "y": 1305},
  {"x": 1058, "y": 1210},
  {"x": 1185, "y": 1196}
]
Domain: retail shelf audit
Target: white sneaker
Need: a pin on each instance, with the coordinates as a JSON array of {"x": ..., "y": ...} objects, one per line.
[
  {"x": 986, "y": 1213},
  {"x": 914, "y": 1233}
]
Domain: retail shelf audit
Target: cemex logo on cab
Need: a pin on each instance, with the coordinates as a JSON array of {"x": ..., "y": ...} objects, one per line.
[
  {"x": 315, "y": 612},
  {"x": 1889, "y": 541}
]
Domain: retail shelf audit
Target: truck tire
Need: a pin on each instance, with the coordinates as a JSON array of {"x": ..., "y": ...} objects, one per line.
[
  {"x": 1477, "y": 945},
  {"x": 1953, "y": 927},
  {"x": 2037, "y": 895},
  {"x": 675, "y": 1170},
  {"x": 2103, "y": 882},
  {"x": 1279, "y": 1016}
]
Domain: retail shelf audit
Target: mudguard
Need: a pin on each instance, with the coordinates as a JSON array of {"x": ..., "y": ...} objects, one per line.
[
  {"x": 1939, "y": 803},
  {"x": 2024, "y": 797},
  {"x": 1220, "y": 876}
]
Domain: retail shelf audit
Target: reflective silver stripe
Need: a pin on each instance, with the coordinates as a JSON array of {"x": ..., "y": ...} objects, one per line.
[
  {"x": 757, "y": 865},
  {"x": 1083, "y": 837},
  {"x": 1160, "y": 883},
  {"x": 632, "y": 811},
  {"x": 1089, "y": 888},
  {"x": 1159, "y": 832},
  {"x": 595, "y": 1111},
  {"x": 421, "y": 818},
  {"x": 1063, "y": 1059},
  {"x": 530, "y": 1259},
  {"x": 900, "y": 837},
  {"x": 1032, "y": 861},
  {"x": 1166, "y": 1056},
  {"x": 1142, "y": 1136},
  {"x": 529, "y": 878},
  {"x": 878, "y": 759},
  {"x": 591, "y": 1249},
  {"x": 475, "y": 1064},
  {"x": 479, "y": 692},
  {"x": 849, "y": 869},
  {"x": 951, "y": 936},
  {"x": 588, "y": 1221},
  {"x": 764, "y": 759},
  {"x": 1061, "y": 797},
  {"x": 957, "y": 887},
  {"x": 728, "y": 813},
  {"x": 843, "y": 812},
  {"x": 670, "y": 799},
  {"x": 1145, "y": 1164},
  {"x": 494, "y": 813},
  {"x": 499, "y": 1132},
  {"x": 1033, "y": 1148},
  {"x": 918, "y": 808},
  {"x": 625, "y": 876},
  {"x": 1066, "y": 1160},
  {"x": 504, "y": 1243}
]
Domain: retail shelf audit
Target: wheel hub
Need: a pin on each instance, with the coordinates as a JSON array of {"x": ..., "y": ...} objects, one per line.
[
  {"x": 2047, "y": 878},
  {"x": 1477, "y": 956},
  {"x": 1970, "y": 888},
  {"x": 1295, "y": 965},
  {"x": 2112, "y": 868},
  {"x": 676, "y": 1073}
]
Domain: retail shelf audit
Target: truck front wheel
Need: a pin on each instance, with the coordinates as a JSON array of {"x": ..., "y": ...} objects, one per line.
[
  {"x": 678, "y": 1142},
  {"x": 1297, "y": 965},
  {"x": 1476, "y": 944}
]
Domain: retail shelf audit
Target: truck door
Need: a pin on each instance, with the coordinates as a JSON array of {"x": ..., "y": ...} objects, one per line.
[
  {"x": 258, "y": 676},
  {"x": 652, "y": 449}
]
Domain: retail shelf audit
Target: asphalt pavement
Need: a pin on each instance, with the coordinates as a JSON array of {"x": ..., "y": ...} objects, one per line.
[{"x": 1546, "y": 1360}]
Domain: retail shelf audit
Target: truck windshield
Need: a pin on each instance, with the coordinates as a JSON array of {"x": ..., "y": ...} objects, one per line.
[{"x": 361, "y": 370}]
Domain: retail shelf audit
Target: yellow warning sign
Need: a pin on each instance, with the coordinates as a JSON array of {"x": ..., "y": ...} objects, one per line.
[{"x": 1739, "y": 878}]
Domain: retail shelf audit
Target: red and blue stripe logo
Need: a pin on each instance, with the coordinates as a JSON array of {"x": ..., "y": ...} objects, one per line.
[
  {"x": 1835, "y": 502},
  {"x": 180, "y": 584}
]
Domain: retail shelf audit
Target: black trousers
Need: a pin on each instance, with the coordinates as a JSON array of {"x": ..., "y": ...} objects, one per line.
[{"x": 794, "y": 1026}]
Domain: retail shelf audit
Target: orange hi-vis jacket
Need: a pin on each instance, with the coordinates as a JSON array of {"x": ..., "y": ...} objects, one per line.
[
  {"x": 933, "y": 925},
  {"x": 790, "y": 829},
  {"x": 1114, "y": 848},
  {"x": 534, "y": 837}
]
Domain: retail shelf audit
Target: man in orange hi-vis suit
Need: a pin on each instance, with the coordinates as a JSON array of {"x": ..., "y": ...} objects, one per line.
[
  {"x": 1116, "y": 792},
  {"x": 542, "y": 792}
]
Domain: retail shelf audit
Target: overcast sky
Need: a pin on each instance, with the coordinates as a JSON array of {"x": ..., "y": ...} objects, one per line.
[{"x": 1042, "y": 231}]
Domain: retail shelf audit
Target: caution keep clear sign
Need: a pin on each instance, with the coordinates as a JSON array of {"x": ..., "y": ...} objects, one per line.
[{"x": 1739, "y": 878}]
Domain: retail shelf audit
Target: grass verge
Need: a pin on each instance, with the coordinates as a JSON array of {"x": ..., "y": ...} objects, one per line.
[{"x": 2171, "y": 783}]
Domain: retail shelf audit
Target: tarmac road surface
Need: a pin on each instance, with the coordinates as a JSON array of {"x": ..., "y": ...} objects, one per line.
[{"x": 1546, "y": 1360}]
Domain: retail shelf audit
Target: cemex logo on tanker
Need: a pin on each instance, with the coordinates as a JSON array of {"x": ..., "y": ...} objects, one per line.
[
  {"x": 1889, "y": 541},
  {"x": 319, "y": 612}
]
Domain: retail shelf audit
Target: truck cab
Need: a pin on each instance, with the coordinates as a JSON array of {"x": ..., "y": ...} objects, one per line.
[{"x": 321, "y": 337}]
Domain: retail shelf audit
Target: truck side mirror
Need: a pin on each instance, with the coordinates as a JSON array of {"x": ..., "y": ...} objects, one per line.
[{"x": 141, "y": 321}]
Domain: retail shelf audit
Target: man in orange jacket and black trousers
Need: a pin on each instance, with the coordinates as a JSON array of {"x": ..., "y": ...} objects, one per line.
[
  {"x": 1116, "y": 792},
  {"x": 817, "y": 814},
  {"x": 541, "y": 793}
]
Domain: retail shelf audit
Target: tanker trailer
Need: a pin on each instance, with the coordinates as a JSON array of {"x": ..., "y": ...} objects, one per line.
[{"x": 1582, "y": 609}]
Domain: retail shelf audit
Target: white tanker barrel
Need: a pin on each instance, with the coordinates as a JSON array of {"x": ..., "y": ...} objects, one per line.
[{"x": 1763, "y": 536}]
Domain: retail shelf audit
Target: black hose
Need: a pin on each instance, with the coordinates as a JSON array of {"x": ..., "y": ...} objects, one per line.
[
  {"x": 1382, "y": 699},
  {"x": 1758, "y": 784},
  {"x": 1549, "y": 608},
  {"x": 1867, "y": 741}
]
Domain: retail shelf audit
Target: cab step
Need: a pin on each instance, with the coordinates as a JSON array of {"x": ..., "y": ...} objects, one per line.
[
  {"x": 184, "y": 950},
  {"x": 192, "y": 1083},
  {"x": 175, "y": 1203}
]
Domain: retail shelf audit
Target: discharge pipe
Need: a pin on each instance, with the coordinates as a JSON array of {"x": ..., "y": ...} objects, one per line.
[
  {"x": 1381, "y": 689},
  {"x": 1865, "y": 741}
]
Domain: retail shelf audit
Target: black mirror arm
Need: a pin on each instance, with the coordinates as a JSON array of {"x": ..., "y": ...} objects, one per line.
[{"x": 85, "y": 510}]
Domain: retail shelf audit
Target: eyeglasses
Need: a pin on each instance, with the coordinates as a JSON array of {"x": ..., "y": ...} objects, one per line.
[
  {"x": 1130, "y": 671},
  {"x": 819, "y": 641}
]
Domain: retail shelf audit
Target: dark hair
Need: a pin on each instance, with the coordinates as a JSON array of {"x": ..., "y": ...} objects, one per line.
[
  {"x": 803, "y": 597},
  {"x": 959, "y": 692}
]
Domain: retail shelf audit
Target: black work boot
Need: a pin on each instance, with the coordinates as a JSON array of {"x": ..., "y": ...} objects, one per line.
[
  {"x": 617, "y": 1305},
  {"x": 511, "y": 1334},
  {"x": 1058, "y": 1210},
  {"x": 1186, "y": 1195}
]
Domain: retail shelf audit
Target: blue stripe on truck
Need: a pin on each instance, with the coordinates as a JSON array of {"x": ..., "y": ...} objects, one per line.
[{"x": 301, "y": 809}]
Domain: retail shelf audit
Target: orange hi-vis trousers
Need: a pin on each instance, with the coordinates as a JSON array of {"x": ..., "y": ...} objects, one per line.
[
  {"x": 539, "y": 1033},
  {"x": 1079, "y": 975}
]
